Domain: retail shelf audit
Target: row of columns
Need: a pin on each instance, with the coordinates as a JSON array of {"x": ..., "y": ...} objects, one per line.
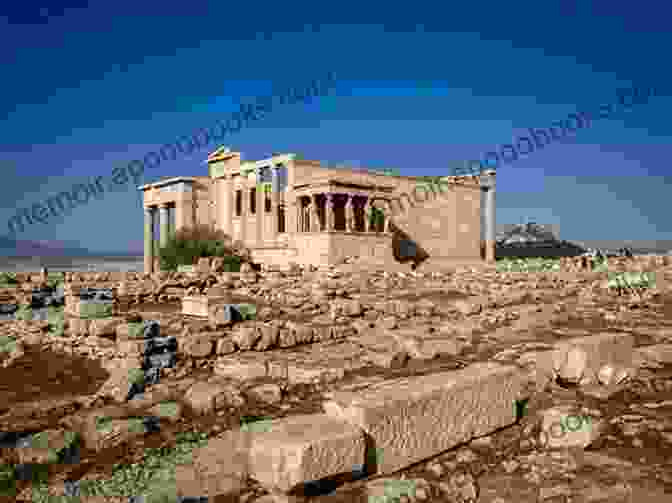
[
  {"x": 309, "y": 217},
  {"x": 164, "y": 233},
  {"x": 309, "y": 220},
  {"x": 225, "y": 195}
]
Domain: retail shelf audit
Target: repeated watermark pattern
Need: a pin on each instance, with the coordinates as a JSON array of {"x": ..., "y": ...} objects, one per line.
[
  {"x": 378, "y": 171},
  {"x": 491, "y": 160},
  {"x": 393, "y": 205},
  {"x": 80, "y": 194},
  {"x": 568, "y": 423},
  {"x": 510, "y": 152}
]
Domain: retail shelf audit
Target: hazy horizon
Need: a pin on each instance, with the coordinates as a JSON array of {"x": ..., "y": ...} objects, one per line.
[{"x": 647, "y": 246}]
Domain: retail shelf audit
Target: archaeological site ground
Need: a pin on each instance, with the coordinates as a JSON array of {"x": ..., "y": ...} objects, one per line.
[{"x": 476, "y": 384}]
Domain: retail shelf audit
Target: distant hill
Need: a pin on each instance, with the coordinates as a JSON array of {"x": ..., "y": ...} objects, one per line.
[
  {"x": 537, "y": 240},
  {"x": 24, "y": 248},
  {"x": 534, "y": 240},
  {"x": 503, "y": 229}
]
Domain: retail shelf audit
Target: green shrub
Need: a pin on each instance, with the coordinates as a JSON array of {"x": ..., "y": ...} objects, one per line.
[
  {"x": 54, "y": 283},
  {"x": 393, "y": 490},
  {"x": 7, "y": 344},
  {"x": 41, "y": 441},
  {"x": 255, "y": 424},
  {"x": 7, "y": 279},
  {"x": 631, "y": 280},
  {"x": 136, "y": 376},
  {"x": 136, "y": 425},
  {"x": 56, "y": 320},
  {"x": 188, "y": 245},
  {"x": 532, "y": 264},
  {"x": 168, "y": 409},
  {"x": 104, "y": 424},
  {"x": 376, "y": 217},
  {"x": 55, "y": 278},
  {"x": 247, "y": 311},
  {"x": 24, "y": 312},
  {"x": 232, "y": 263},
  {"x": 520, "y": 408},
  {"x": 599, "y": 264},
  {"x": 94, "y": 311},
  {"x": 161, "y": 492},
  {"x": 153, "y": 477},
  {"x": 7, "y": 481},
  {"x": 135, "y": 329}
]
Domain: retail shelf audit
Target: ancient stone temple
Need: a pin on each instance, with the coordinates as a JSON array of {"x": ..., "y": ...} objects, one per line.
[{"x": 287, "y": 209}]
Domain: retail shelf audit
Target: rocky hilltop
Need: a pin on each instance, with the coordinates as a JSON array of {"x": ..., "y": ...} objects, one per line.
[{"x": 534, "y": 240}]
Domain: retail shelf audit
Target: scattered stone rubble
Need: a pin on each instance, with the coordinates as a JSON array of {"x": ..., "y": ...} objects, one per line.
[{"x": 469, "y": 385}]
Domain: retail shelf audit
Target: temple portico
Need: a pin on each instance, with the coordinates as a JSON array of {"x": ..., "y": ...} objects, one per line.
[{"x": 285, "y": 209}]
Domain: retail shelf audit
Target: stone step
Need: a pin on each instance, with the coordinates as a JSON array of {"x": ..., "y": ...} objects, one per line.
[
  {"x": 299, "y": 449},
  {"x": 415, "y": 418}
]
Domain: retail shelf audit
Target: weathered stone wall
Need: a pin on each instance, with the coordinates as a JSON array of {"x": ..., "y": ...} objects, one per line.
[
  {"x": 445, "y": 225},
  {"x": 135, "y": 286}
]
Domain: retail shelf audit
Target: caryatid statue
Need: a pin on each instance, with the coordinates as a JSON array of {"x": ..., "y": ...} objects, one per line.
[{"x": 349, "y": 215}]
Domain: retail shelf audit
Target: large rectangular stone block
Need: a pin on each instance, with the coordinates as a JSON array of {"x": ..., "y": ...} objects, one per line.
[
  {"x": 195, "y": 305},
  {"x": 216, "y": 468},
  {"x": 306, "y": 448},
  {"x": 414, "y": 418}
]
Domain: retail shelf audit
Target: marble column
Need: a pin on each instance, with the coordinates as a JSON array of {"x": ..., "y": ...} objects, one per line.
[
  {"x": 306, "y": 212},
  {"x": 488, "y": 183},
  {"x": 163, "y": 225},
  {"x": 171, "y": 221},
  {"x": 298, "y": 204},
  {"x": 291, "y": 217},
  {"x": 330, "y": 211},
  {"x": 149, "y": 241},
  {"x": 244, "y": 207},
  {"x": 225, "y": 202},
  {"x": 315, "y": 225},
  {"x": 302, "y": 213},
  {"x": 275, "y": 202},
  {"x": 260, "y": 207}
]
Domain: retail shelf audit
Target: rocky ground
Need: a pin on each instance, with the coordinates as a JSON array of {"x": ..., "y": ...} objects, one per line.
[{"x": 320, "y": 334}]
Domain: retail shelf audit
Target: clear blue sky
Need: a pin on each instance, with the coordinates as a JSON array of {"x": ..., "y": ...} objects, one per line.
[{"x": 87, "y": 88}]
